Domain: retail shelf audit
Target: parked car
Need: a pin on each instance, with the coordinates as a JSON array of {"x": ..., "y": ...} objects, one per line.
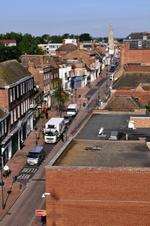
[
  {"x": 36, "y": 155},
  {"x": 72, "y": 110},
  {"x": 68, "y": 120}
]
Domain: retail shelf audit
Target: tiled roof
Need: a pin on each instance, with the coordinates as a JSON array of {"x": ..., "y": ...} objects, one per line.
[
  {"x": 81, "y": 55},
  {"x": 7, "y": 41},
  {"x": 131, "y": 81},
  {"x": 67, "y": 48},
  {"x": 41, "y": 60},
  {"x": 122, "y": 103},
  {"x": 100, "y": 49},
  {"x": 11, "y": 71}
]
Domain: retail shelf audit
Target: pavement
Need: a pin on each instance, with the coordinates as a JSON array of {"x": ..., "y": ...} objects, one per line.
[{"x": 17, "y": 163}]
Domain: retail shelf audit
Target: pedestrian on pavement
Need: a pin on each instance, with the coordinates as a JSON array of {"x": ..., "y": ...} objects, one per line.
[
  {"x": 36, "y": 136},
  {"x": 6, "y": 170},
  {"x": 43, "y": 220},
  {"x": 62, "y": 137},
  {"x": 46, "y": 114}
]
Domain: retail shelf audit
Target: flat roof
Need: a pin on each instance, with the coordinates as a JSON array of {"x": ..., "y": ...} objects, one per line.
[
  {"x": 113, "y": 121},
  {"x": 105, "y": 154}
]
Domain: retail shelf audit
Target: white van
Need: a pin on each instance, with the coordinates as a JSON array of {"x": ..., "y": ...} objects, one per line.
[
  {"x": 72, "y": 110},
  {"x": 54, "y": 128}
]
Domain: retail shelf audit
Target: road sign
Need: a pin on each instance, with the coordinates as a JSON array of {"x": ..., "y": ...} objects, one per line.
[{"x": 40, "y": 213}]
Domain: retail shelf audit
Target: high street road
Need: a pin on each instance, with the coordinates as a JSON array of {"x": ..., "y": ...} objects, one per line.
[{"x": 23, "y": 211}]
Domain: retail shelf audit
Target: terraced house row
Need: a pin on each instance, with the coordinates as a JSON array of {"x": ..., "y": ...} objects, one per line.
[{"x": 17, "y": 92}]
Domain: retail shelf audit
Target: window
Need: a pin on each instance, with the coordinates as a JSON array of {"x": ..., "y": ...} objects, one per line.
[
  {"x": 28, "y": 103},
  {"x": 15, "y": 116},
  {"x": 23, "y": 87},
  {"x": 21, "y": 108},
  {"x": 11, "y": 117},
  {"x": 2, "y": 128},
  {"x": 14, "y": 94},
  {"x": 24, "y": 107},
  {"x": 18, "y": 111},
  {"x": 17, "y": 91},
  {"x": 5, "y": 125},
  {"x": 10, "y": 95}
]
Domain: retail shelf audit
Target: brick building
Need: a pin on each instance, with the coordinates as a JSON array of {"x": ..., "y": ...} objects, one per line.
[
  {"x": 133, "y": 84},
  {"x": 131, "y": 55},
  {"x": 8, "y": 42},
  {"x": 65, "y": 49},
  {"x": 4, "y": 128},
  {"x": 97, "y": 181},
  {"x": 16, "y": 97},
  {"x": 97, "y": 196},
  {"x": 136, "y": 49},
  {"x": 45, "y": 70}
]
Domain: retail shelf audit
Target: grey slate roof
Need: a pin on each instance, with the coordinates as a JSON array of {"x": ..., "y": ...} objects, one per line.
[{"x": 11, "y": 71}]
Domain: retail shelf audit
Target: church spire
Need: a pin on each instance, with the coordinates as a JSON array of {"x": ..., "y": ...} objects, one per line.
[{"x": 111, "y": 41}]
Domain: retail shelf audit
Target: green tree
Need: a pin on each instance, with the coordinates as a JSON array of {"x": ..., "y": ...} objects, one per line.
[
  {"x": 85, "y": 37},
  {"x": 60, "y": 95},
  {"x": 147, "y": 106},
  {"x": 9, "y": 53}
]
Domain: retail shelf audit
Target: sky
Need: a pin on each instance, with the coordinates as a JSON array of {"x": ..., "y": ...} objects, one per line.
[{"x": 75, "y": 16}]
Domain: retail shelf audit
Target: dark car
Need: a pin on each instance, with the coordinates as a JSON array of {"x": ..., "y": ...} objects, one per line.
[
  {"x": 68, "y": 120},
  {"x": 36, "y": 155},
  {"x": 112, "y": 69}
]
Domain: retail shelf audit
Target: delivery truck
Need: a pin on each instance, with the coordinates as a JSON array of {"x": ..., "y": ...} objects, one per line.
[{"x": 53, "y": 130}]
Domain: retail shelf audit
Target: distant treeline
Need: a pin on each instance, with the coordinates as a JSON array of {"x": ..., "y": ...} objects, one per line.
[{"x": 27, "y": 43}]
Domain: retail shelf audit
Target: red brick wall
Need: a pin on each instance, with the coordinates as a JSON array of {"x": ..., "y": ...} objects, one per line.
[
  {"x": 97, "y": 197},
  {"x": 38, "y": 77},
  {"x": 4, "y": 98},
  {"x": 134, "y": 56}
]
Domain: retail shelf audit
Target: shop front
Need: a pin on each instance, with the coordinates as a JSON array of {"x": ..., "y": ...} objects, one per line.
[{"x": 6, "y": 150}]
